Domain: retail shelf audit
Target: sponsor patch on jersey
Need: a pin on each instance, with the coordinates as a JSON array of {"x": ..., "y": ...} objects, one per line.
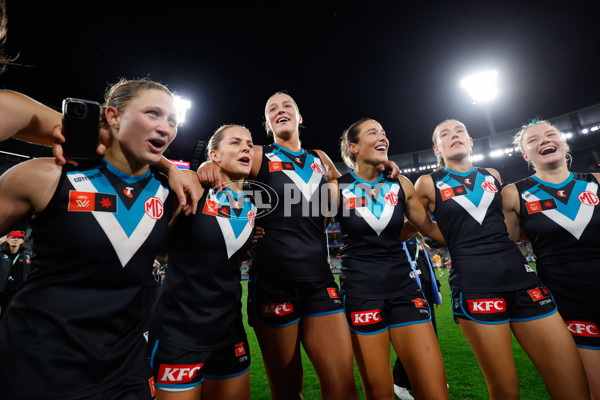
[
  {"x": 332, "y": 293},
  {"x": 588, "y": 198},
  {"x": 419, "y": 303},
  {"x": 538, "y": 294},
  {"x": 280, "y": 166},
  {"x": 240, "y": 350},
  {"x": 178, "y": 373},
  {"x": 151, "y": 384},
  {"x": 453, "y": 191},
  {"x": 154, "y": 207},
  {"x": 489, "y": 187},
  {"x": 354, "y": 202},
  {"x": 583, "y": 328},
  {"x": 276, "y": 309},
  {"x": 90, "y": 201},
  {"x": 487, "y": 306},
  {"x": 540, "y": 205},
  {"x": 391, "y": 199},
  {"x": 211, "y": 207},
  {"x": 365, "y": 317}
]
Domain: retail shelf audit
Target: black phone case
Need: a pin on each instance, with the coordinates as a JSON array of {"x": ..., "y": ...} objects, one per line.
[{"x": 81, "y": 127}]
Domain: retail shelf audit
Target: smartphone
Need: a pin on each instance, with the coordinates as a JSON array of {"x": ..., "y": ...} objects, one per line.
[{"x": 81, "y": 128}]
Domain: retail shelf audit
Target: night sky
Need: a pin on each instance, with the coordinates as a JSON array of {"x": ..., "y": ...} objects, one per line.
[{"x": 398, "y": 64}]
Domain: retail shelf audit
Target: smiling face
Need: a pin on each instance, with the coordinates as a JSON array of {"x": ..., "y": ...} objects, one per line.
[
  {"x": 543, "y": 144},
  {"x": 451, "y": 140},
  {"x": 143, "y": 128},
  {"x": 233, "y": 152},
  {"x": 282, "y": 115},
  {"x": 372, "y": 144}
]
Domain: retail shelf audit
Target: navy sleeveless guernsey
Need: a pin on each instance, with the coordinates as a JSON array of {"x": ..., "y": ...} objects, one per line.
[
  {"x": 563, "y": 223},
  {"x": 295, "y": 245},
  {"x": 468, "y": 210},
  {"x": 76, "y": 327},
  {"x": 200, "y": 304},
  {"x": 371, "y": 216}
]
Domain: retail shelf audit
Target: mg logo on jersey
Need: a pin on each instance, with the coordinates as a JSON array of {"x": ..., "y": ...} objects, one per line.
[
  {"x": 582, "y": 328},
  {"x": 154, "y": 208},
  {"x": 391, "y": 199},
  {"x": 317, "y": 168},
  {"x": 251, "y": 217},
  {"x": 365, "y": 317},
  {"x": 588, "y": 198},
  {"x": 178, "y": 373},
  {"x": 276, "y": 309},
  {"x": 489, "y": 187},
  {"x": 487, "y": 306}
]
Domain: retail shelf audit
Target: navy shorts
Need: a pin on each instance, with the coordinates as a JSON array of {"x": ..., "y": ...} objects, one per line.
[
  {"x": 176, "y": 369},
  {"x": 368, "y": 317},
  {"x": 278, "y": 303},
  {"x": 501, "y": 307},
  {"x": 583, "y": 321}
]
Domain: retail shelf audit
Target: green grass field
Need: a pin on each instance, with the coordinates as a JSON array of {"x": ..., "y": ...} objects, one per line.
[{"x": 464, "y": 376}]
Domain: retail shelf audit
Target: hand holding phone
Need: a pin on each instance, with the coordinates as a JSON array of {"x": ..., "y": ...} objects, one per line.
[{"x": 81, "y": 127}]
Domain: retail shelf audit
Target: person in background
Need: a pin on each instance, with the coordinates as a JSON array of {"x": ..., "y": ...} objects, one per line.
[
  {"x": 559, "y": 212},
  {"x": 494, "y": 290},
  {"x": 383, "y": 300},
  {"x": 15, "y": 265},
  {"x": 437, "y": 260},
  {"x": 75, "y": 329}
]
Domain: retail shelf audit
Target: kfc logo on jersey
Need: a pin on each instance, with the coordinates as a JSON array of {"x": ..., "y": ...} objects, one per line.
[
  {"x": 239, "y": 349},
  {"x": 332, "y": 293},
  {"x": 391, "y": 199},
  {"x": 178, "y": 373},
  {"x": 487, "y": 306},
  {"x": 489, "y": 187},
  {"x": 588, "y": 198},
  {"x": 276, "y": 309},
  {"x": 365, "y": 317},
  {"x": 582, "y": 328},
  {"x": 154, "y": 208}
]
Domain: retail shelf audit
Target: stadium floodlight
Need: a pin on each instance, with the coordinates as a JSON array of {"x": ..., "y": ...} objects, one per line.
[
  {"x": 481, "y": 87},
  {"x": 568, "y": 135},
  {"x": 182, "y": 106}
]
